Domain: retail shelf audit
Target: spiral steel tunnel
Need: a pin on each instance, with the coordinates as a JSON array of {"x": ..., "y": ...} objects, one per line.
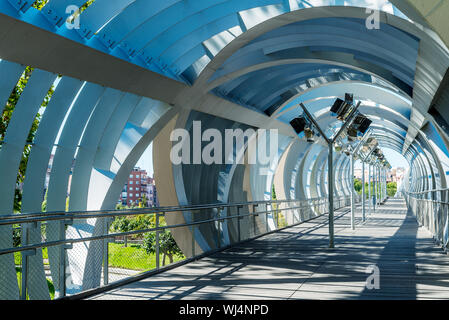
[{"x": 136, "y": 70}]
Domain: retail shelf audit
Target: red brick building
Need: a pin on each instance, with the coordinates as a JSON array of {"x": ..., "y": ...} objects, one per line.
[{"x": 139, "y": 185}]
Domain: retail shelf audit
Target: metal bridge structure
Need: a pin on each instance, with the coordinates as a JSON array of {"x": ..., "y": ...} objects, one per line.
[{"x": 107, "y": 78}]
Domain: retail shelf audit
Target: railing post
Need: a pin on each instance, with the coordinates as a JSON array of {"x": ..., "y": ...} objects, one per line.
[
  {"x": 158, "y": 262},
  {"x": 352, "y": 193},
  {"x": 193, "y": 241},
  {"x": 106, "y": 253},
  {"x": 370, "y": 200},
  {"x": 266, "y": 215},
  {"x": 276, "y": 214},
  {"x": 219, "y": 228},
  {"x": 374, "y": 200},
  {"x": 363, "y": 192},
  {"x": 238, "y": 223},
  {"x": 330, "y": 186},
  {"x": 24, "y": 262},
  {"x": 254, "y": 219},
  {"x": 62, "y": 288}
]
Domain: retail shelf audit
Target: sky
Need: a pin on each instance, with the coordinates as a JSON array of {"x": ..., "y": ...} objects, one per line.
[
  {"x": 396, "y": 160},
  {"x": 146, "y": 161}
]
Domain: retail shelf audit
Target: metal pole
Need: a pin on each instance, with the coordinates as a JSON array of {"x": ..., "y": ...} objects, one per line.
[
  {"x": 378, "y": 185},
  {"x": 330, "y": 143},
  {"x": 254, "y": 219},
  {"x": 158, "y": 263},
  {"x": 106, "y": 253},
  {"x": 219, "y": 227},
  {"x": 374, "y": 187},
  {"x": 363, "y": 191},
  {"x": 369, "y": 189},
  {"x": 352, "y": 193},
  {"x": 193, "y": 241},
  {"x": 383, "y": 184},
  {"x": 62, "y": 252},
  {"x": 330, "y": 186},
  {"x": 238, "y": 222},
  {"x": 382, "y": 187},
  {"x": 24, "y": 263}
]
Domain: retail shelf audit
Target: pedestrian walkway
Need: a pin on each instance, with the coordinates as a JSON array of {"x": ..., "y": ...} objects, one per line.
[{"x": 296, "y": 263}]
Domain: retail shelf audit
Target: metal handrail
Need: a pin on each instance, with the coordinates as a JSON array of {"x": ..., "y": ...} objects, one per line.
[
  {"x": 427, "y": 191},
  {"x": 271, "y": 207},
  {"x": 430, "y": 213},
  {"x": 63, "y": 215},
  {"x": 113, "y": 235}
]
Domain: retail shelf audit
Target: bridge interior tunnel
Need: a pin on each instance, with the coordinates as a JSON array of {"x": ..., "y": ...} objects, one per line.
[{"x": 90, "y": 95}]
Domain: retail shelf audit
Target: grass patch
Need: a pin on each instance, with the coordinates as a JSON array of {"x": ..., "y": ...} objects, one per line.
[
  {"x": 51, "y": 287},
  {"x": 134, "y": 257},
  {"x": 18, "y": 257}
]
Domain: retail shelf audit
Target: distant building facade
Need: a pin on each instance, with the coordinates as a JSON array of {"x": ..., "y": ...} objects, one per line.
[
  {"x": 138, "y": 187},
  {"x": 394, "y": 175}
]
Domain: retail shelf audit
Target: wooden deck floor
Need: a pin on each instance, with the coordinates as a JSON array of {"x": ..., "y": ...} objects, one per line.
[{"x": 296, "y": 264}]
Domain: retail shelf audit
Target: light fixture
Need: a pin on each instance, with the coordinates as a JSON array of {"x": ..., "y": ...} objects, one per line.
[
  {"x": 303, "y": 124},
  {"x": 299, "y": 124},
  {"x": 308, "y": 131},
  {"x": 343, "y": 108},
  {"x": 358, "y": 127}
]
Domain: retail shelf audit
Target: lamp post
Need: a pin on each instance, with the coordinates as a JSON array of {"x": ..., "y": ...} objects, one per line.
[
  {"x": 352, "y": 193},
  {"x": 369, "y": 188},
  {"x": 353, "y": 154},
  {"x": 330, "y": 144},
  {"x": 363, "y": 191}
]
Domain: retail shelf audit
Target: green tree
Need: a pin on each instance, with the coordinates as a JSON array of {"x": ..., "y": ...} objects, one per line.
[
  {"x": 358, "y": 186},
  {"x": 5, "y": 119},
  {"x": 392, "y": 188},
  {"x": 39, "y": 4},
  {"x": 167, "y": 245},
  {"x": 273, "y": 192},
  {"x": 143, "y": 203}
]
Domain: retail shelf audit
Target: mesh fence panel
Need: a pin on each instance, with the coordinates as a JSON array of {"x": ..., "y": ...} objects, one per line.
[{"x": 114, "y": 246}]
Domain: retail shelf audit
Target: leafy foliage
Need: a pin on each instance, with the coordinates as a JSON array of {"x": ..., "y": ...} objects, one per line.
[
  {"x": 392, "y": 188},
  {"x": 358, "y": 186},
  {"x": 167, "y": 245},
  {"x": 132, "y": 223},
  {"x": 39, "y": 4},
  {"x": 5, "y": 119},
  {"x": 16, "y": 236}
]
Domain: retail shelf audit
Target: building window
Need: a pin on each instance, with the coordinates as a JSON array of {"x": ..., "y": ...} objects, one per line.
[
  {"x": 137, "y": 195},
  {"x": 130, "y": 194},
  {"x": 137, "y": 176},
  {"x": 130, "y": 182},
  {"x": 130, "y": 188},
  {"x": 130, "y": 175},
  {"x": 137, "y": 189}
]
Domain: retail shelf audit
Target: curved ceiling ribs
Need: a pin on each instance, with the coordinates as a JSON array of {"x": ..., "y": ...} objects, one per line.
[{"x": 228, "y": 63}]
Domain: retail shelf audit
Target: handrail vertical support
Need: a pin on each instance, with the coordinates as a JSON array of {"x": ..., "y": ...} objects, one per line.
[
  {"x": 106, "y": 253},
  {"x": 352, "y": 192},
  {"x": 158, "y": 263},
  {"x": 330, "y": 186},
  {"x": 363, "y": 192}
]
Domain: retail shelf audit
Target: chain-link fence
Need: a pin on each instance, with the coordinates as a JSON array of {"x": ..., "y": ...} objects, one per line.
[
  {"x": 62, "y": 254},
  {"x": 431, "y": 209}
]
